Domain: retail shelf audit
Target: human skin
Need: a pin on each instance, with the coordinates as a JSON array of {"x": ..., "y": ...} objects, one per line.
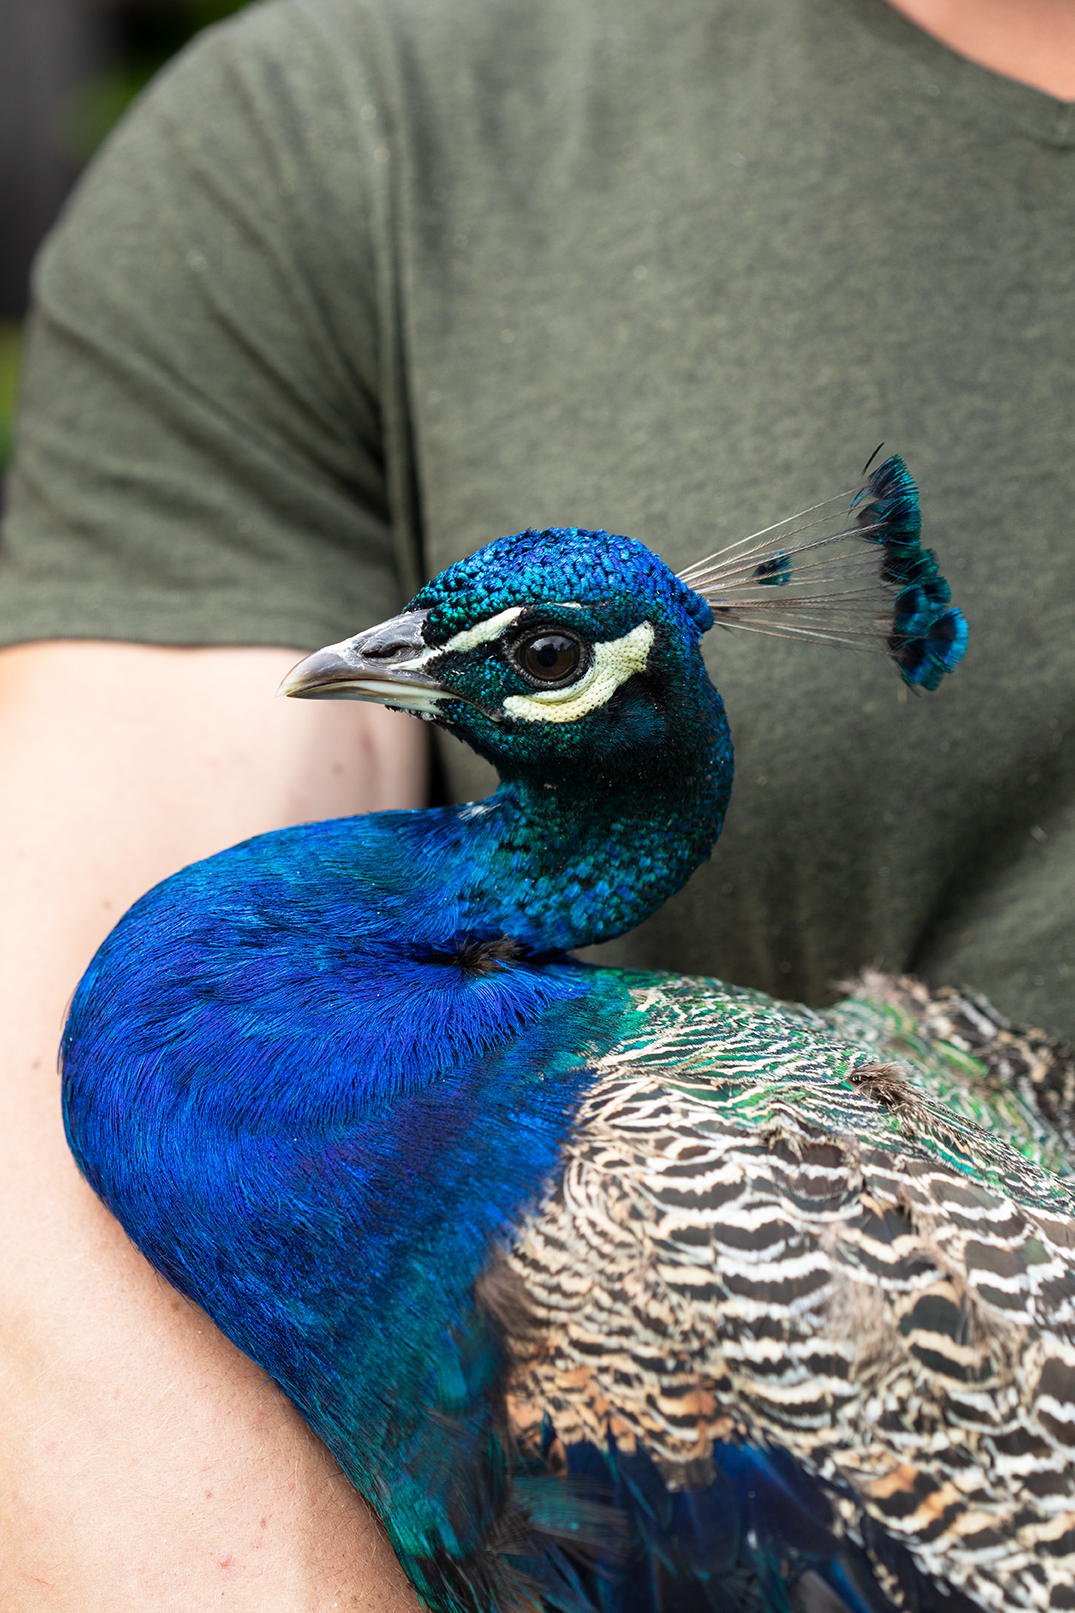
[
  {"x": 1029, "y": 40},
  {"x": 147, "y": 1465}
]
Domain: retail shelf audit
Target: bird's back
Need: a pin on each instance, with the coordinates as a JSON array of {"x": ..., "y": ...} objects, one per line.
[{"x": 806, "y": 1314}]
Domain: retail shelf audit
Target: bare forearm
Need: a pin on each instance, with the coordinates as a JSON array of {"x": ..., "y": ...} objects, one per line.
[{"x": 149, "y": 1464}]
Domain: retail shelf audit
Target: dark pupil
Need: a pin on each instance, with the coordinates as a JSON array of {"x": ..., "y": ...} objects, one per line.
[{"x": 551, "y": 657}]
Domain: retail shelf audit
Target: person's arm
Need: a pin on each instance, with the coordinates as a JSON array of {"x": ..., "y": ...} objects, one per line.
[{"x": 147, "y": 1464}]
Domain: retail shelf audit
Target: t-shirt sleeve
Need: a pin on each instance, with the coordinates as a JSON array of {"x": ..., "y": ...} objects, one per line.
[{"x": 199, "y": 455}]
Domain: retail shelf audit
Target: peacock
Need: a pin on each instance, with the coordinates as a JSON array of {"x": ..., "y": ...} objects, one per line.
[{"x": 612, "y": 1292}]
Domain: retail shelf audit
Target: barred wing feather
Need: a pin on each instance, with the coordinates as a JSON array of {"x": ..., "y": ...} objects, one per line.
[{"x": 762, "y": 1241}]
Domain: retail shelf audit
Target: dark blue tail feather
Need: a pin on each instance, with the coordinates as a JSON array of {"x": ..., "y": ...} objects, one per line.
[{"x": 760, "y": 1535}]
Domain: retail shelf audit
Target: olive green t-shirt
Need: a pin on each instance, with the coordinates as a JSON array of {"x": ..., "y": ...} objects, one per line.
[{"x": 363, "y": 284}]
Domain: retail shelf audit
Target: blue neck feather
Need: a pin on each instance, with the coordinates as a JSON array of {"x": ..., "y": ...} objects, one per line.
[{"x": 563, "y": 862}]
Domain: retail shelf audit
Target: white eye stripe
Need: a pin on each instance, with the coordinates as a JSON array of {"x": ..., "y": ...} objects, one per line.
[
  {"x": 613, "y": 663},
  {"x": 471, "y": 637}
]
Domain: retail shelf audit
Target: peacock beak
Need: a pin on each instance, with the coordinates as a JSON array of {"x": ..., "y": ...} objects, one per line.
[{"x": 382, "y": 664}]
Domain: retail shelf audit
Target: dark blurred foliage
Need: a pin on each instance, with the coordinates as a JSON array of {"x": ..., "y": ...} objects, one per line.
[
  {"x": 68, "y": 69},
  {"x": 144, "y": 34}
]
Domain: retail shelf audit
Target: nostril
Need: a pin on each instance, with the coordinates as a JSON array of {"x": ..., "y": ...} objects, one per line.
[
  {"x": 394, "y": 650},
  {"x": 397, "y": 640}
]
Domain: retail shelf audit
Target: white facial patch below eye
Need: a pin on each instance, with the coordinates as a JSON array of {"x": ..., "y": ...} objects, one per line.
[{"x": 613, "y": 663}]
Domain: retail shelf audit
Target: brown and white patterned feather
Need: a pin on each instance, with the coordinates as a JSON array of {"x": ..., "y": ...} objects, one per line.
[{"x": 761, "y": 1233}]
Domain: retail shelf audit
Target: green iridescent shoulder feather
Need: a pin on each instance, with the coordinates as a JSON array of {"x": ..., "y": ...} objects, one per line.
[
  {"x": 996, "y": 1113},
  {"x": 1015, "y": 1082}
]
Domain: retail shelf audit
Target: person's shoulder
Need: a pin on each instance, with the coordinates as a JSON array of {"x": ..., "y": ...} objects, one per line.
[
  {"x": 317, "y": 45},
  {"x": 350, "y": 29},
  {"x": 269, "y": 23},
  {"x": 311, "y": 65}
]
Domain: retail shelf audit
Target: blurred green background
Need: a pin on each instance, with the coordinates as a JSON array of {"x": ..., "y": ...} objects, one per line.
[
  {"x": 68, "y": 71},
  {"x": 10, "y": 353},
  {"x": 145, "y": 34}
]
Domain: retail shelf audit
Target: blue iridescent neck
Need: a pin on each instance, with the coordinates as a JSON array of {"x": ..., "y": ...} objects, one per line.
[{"x": 563, "y": 861}]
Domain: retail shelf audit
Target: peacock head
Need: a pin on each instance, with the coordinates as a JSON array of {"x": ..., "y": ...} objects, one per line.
[
  {"x": 549, "y": 652},
  {"x": 552, "y": 652}
]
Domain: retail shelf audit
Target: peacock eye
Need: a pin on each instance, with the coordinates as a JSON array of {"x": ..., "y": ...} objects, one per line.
[{"x": 548, "y": 659}]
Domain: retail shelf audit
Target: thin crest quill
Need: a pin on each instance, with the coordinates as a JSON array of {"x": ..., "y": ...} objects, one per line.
[{"x": 752, "y": 537}]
